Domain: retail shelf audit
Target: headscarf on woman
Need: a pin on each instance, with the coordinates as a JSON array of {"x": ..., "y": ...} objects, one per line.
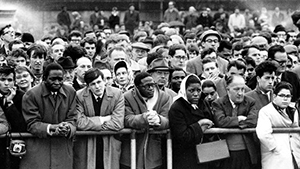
[{"x": 182, "y": 90}]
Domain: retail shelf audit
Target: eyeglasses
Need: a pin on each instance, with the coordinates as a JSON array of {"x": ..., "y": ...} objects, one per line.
[
  {"x": 211, "y": 41},
  {"x": 281, "y": 62},
  {"x": 287, "y": 96},
  {"x": 148, "y": 85}
]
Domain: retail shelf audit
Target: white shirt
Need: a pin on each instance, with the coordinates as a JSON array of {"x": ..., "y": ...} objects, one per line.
[{"x": 236, "y": 21}]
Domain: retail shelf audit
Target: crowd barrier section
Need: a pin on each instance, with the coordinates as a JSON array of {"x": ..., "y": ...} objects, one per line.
[{"x": 165, "y": 132}]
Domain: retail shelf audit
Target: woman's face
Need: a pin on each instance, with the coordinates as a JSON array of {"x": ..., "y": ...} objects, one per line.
[
  {"x": 24, "y": 79},
  {"x": 283, "y": 98},
  {"x": 193, "y": 93}
]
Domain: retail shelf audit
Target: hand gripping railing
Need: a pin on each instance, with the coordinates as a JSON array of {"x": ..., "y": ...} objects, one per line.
[{"x": 167, "y": 132}]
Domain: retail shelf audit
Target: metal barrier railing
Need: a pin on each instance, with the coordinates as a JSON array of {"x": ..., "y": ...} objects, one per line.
[{"x": 168, "y": 136}]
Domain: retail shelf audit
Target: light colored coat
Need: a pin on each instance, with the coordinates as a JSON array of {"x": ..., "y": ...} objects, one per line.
[
  {"x": 85, "y": 147},
  {"x": 277, "y": 149}
]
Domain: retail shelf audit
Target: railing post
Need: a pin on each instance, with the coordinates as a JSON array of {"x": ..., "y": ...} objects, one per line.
[
  {"x": 133, "y": 149},
  {"x": 169, "y": 150}
]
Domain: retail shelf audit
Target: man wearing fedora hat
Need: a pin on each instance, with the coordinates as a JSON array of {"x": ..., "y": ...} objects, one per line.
[
  {"x": 69, "y": 67},
  {"x": 160, "y": 72},
  {"x": 209, "y": 39}
]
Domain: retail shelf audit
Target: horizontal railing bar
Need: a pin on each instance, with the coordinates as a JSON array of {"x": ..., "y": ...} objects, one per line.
[{"x": 128, "y": 131}]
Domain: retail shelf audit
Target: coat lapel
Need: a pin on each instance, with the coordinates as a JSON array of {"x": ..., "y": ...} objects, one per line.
[
  {"x": 108, "y": 95},
  {"x": 87, "y": 95},
  {"x": 228, "y": 106}
]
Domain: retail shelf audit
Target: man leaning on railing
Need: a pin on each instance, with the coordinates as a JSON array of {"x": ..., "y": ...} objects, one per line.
[
  {"x": 49, "y": 110},
  {"x": 99, "y": 108}
]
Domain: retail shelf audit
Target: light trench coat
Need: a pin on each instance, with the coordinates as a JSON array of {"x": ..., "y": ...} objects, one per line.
[
  {"x": 277, "y": 149},
  {"x": 85, "y": 147}
]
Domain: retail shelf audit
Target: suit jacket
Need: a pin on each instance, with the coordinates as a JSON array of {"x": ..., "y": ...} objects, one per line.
[
  {"x": 85, "y": 147},
  {"x": 261, "y": 99},
  {"x": 222, "y": 110},
  {"x": 148, "y": 147},
  {"x": 195, "y": 65},
  {"x": 41, "y": 109},
  {"x": 286, "y": 76}
]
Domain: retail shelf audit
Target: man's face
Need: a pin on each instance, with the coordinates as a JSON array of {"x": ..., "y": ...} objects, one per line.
[
  {"x": 116, "y": 56},
  {"x": 69, "y": 75},
  {"x": 19, "y": 61},
  {"x": 210, "y": 94},
  {"x": 54, "y": 81},
  {"x": 83, "y": 64},
  {"x": 146, "y": 88},
  {"x": 281, "y": 59},
  {"x": 236, "y": 90},
  {"x": 75, "y": 40},
  {"x": 249, "y": 71},
  {"x": 192, "y": 54},
  {"x": 6, "y": 83},
  {"x": 234, "y": 71},
  {"x": 237, "y": 54},
  {"x": 57, "y": 51},
  {"x": 161, "y": 77},
  {"x": 210, "y": 69},
  {"x": 23, "y": 79},
  {"x": 293, "y": 37},
  {"x": 255, "y": 55},
  {"x": 36, "y": 61},
  {"x": 226, "y": 53},
  {"x": 281, "y": 35},
  {"x": 90, "y": 50},
  {"x": 97, "y": 86},
  {"x": 8, "y": 34},
  {"x": 266, "y": 82},
  {"x": 139, "y": 53},
  {"x": 108, "y": 79},
  {"x": 122, "y": 76},
  {"x": 179, "y": 59},
  {"x": 211, "y": 42},
  {"x": 177, "y": 77}
]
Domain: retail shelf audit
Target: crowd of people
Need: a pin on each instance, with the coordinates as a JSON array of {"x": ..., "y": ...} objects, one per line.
[{"x": 184, "y": 78}]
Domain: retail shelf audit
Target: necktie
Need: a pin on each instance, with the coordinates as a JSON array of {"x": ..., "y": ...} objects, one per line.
[{"x": 234, "y": 111}]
